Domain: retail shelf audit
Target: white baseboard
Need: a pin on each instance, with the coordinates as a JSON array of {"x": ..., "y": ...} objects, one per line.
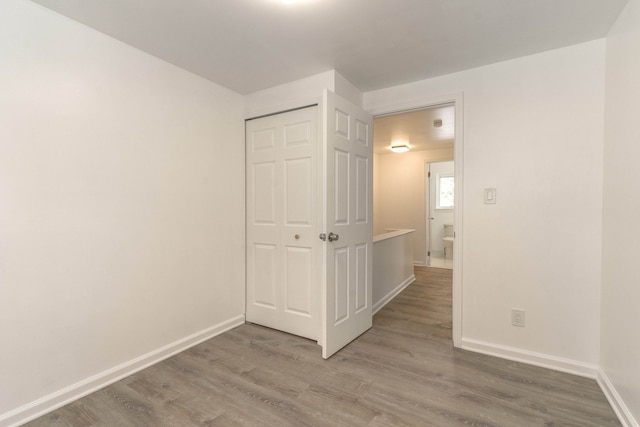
[
  {"x": 388, "y": 297},
  {"x": 87, "y": 386},
  {"x": 532, "y": 358},
  {"x": 616, "y": 402}
]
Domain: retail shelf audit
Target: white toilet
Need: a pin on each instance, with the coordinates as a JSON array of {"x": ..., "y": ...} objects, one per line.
[{"x": 447, "y": 240}]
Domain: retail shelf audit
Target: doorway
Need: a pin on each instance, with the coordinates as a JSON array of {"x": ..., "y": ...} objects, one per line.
[
  {"x": 440, "y": 186},
  {"x": 402, "y": 194},
  {"x": 415, "y": 161}
]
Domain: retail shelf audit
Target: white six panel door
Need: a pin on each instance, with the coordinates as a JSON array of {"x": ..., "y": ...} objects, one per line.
[
  {"x": 282, "y": 222},
  {"x": 347, "y": 310}
]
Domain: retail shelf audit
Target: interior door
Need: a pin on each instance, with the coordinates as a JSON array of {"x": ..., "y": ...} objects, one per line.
[
  {"x": 283, "y": 213},
  {"x": 348, "y": 225}
]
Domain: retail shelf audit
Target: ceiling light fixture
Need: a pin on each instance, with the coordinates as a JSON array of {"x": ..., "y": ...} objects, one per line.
[{"x": 400, "y": 148}]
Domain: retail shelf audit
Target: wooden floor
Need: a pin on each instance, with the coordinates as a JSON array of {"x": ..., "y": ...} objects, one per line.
[{"x": 402, "y": 372}]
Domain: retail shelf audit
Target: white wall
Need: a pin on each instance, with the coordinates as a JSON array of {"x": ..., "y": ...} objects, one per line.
[
  {"x": 392, "y": 266},
  {"x": 532, "y": 129},
  {"x": 399, "y": 194},
  {"x": 290, "y": 95},
  {"x": 620, "y": 349},
  {"x": 122, "y": 203},
  {"x": 121, "y": 207},
  {"x": 300, "y": 93}
]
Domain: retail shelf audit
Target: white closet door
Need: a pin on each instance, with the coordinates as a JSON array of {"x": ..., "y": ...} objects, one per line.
[
  {"x": 346, "y": 310},
  {"x": 282, "y": 222}
]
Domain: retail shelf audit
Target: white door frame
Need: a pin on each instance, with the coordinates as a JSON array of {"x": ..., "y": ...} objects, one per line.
[
  {"x": 427, "y": 200},
  {"x": 458, "y": 152},
  {"x": 429, "y": 207}
]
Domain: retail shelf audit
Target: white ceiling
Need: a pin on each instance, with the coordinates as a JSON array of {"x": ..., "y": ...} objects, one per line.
[
  {"x": 415, "y": 128},
  {"x": 248, "y": 45}
]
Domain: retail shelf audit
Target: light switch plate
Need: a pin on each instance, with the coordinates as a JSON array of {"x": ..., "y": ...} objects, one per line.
[{"x": 489, "y": 196}]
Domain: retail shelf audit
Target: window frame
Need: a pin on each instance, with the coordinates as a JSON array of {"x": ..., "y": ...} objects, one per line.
[{"x": 439, "y": 176}]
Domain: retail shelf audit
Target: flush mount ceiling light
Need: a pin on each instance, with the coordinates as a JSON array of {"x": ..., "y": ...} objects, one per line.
[{"x": 400, "y": 148}]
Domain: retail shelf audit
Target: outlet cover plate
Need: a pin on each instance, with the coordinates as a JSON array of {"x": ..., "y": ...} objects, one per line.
[{"x": 517, "y": 317}]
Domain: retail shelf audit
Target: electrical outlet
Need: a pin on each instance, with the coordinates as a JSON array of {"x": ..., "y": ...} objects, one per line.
[{"x": 517, "y": 317}]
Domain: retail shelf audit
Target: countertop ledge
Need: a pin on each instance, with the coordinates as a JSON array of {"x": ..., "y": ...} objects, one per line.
[{"x": 390, "y": 234}]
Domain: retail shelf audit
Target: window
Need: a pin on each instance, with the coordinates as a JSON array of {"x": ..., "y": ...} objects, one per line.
[{"x": 444, "y": 191}]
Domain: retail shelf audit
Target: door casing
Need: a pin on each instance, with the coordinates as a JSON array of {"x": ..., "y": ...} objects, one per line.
[
  {"x": 430, "y": 184},
  {"x": 423, "y": 102}
]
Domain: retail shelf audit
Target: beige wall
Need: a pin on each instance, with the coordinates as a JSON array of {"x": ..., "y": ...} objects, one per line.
[
  {"x": 121, "y": 208},
  {"x": 620, "y": 350},
  {"x": 399, "y": 194}
]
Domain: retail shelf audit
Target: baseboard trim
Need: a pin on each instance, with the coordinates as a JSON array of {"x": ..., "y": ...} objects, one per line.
[
  {"x": 55, "y": 400},
  {"x": 616, "y": 402},
  {"x": 391, "y": 295},
  {"x": 569, "y": 366}
]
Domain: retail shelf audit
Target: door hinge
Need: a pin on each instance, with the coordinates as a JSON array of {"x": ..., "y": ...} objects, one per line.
[
  {"x": 429, "y": 253},
  {"x": 428, "y": 174}
]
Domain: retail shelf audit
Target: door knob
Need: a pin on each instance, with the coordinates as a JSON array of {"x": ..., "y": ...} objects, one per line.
[{"x": 333, "y": 237}]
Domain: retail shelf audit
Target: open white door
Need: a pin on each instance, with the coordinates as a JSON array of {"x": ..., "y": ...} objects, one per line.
[{"x": 348, "y": 225}]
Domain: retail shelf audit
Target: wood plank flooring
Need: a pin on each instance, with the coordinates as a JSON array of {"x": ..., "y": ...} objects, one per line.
[{"x": 402, "y": 372}]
